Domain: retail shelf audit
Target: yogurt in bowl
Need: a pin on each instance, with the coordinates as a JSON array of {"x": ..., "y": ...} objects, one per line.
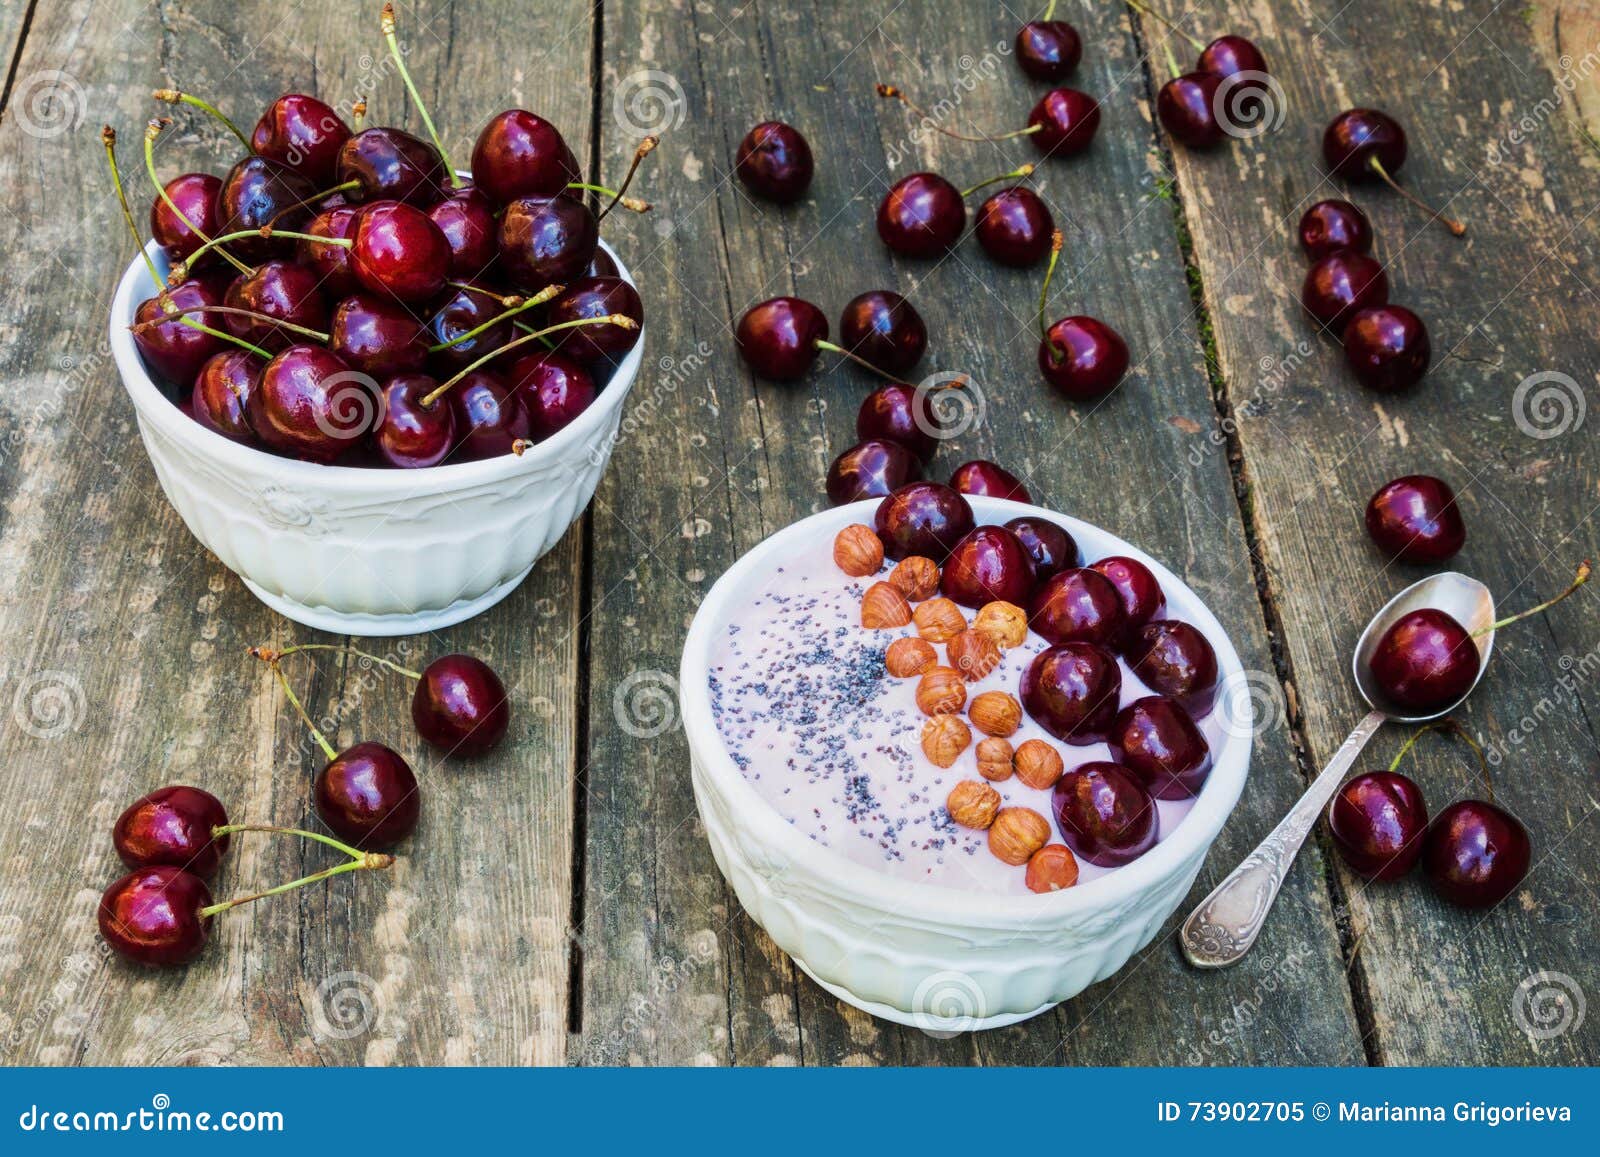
[{"x": 829, "y": 820}]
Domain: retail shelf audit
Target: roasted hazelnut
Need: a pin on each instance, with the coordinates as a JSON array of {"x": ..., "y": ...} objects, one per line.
[
  {"x": 939, "y": 620},
  {"x": 996, "y": 713},
  {"x": 994, "y": 759},
  {"x": 941, "y": 691},
  {"x": 858, "y": 551},
  {"x": 884, "y": 606},
  {"x": 918, "y": 577},
  {"x": 1005, "y": 623},
  {"x": 944, "y": 738},
  {"x": 1038, "y": 764},
  {"x": 1052, "y": 868},
  {"x": 1017, "y": 833},
  {"x": 908, "y": 657},
  {"x": 973, "y": 804},
  {"x": 974, "y": 655}
]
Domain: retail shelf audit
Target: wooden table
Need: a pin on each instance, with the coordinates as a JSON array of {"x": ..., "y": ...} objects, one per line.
[{"x": 559, "y": 904}]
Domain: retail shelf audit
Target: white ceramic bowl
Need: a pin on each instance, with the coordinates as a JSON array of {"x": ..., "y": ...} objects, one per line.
[
  {"x": 938, "y": 958},
  {"x": 368, "y": 552}
]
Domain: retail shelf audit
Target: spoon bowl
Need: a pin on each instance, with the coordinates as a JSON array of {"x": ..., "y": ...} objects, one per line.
[{"x": 1466, "y": 600}]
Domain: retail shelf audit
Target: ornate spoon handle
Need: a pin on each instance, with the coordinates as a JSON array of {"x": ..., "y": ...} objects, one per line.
[{"x": 1226, "y": 923}]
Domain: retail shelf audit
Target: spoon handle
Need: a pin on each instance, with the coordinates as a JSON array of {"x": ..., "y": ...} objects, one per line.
[{"x": 1226, "y": 923}]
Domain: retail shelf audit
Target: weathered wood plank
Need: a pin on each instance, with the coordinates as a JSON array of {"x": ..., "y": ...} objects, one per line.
[
  {"x": 1489, "y": 95},
  {"x": 723, "y": 461},
  {"x": 462, "y": 952}
]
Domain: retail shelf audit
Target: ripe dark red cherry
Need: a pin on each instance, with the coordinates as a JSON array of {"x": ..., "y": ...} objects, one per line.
[
  {"x": 881, "y": 327},
  {"x": 520, "y": 154},
  {"x": 923, "y": 518},
  {"x": 922, "y": 215},
  {"x": 1230, "y": 55},
  {"x": 1387, "y": 348},
  {"x": 1377, "y": 821},
  {"x": 774, "y": 161},
  {"x": 901, "y": 413},
  {"x": 1078, "y": 606},
  {"x": 368, "y": 796},
  {"x": 554, "y": 391},
  {"x": 301, "y": 133},
  {"x": 1340, "y": 285},
  {"x": 1083, "y": 358},
  {"x": 989, "y": 478},
  {"x": 778, "y": 337},
  {"x": 1105, "y": 815},
  {"x": 466, "y": 218},
  {"x": 1014, "y": 226},
  {"x": 1051, "y": 548},
  {"x": 1067, "y": 119},
  {"x": 1425, "y": 661},
  {"x": 1329, "y": 226},
  {"x": 399, "y": 251},
  {"x": 1141, "y": 595},
  {"x": 309, "y": 404},
  {"x": 152, "y": 916},
  {"x": 873, "y": 468},
  {"x": 176, "y": 351},
  {"x": 390, "y": 165},
  {"x": 1186, "y": 106},
  {"x": 1416, "y": 519},
  {"x": 283, "y": 290},
  {"x": 490, "y": 417},
  {"x": 988, "y": 564},
  {"x": 1357, "y": 137},
  {"x": 591, "y": 298},
  {"x": 547, "y": 241},
  {"x": 172, "y": 826},
  {"x": 1475, "y": 854},
  {"x": 331, "y": 263},
  {"x": 222, "y": 391},
  {"x": 195, "y": 194},
  {"x": 259, "y": 192},
  {"x": 1048, "y": 50},
  {"x": 409, "y": 435},
  {"x": 1174, "y": 659},
  {"x": 1156, "y": 739},
  {"x": 377, "y": 335},
  {"x": 460, "y": 312},
  {"x": 460, "y": 705},
  {"x": 1072, "y": 692}
]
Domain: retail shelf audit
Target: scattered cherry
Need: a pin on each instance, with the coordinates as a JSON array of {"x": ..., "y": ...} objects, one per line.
[
  {"x": 368, "y": 795},
  {"x": 1051, "y": 548},
  {"x": 923, "y": 518},
  {"x": 1475, "y": 854},
  {"x": 1072, "y": 692},
  {"x": 1331, "y": 225},
  {"x": 1387, "y": 347},
  {"x": 1082, "y": 357},
  {"x": 1377, "y": 821},
  {"x": 988, "y": 564},
  {"x": 1425, "y": 661},
  {"x": 1065, "y": 121},
  {"x": 1156, "y": 738},
  {"x": 1416, "y": 519},
  {"x": 1186, "y": 107},
  {"x": 172, "y": 826},
  {"x": 873, "y": 468},
  {"x": 1232, "y": 55},
  {"x": 1361, "y": 143},
  {"x": 1340, "y": 285},
  {"x": 152, "y": 916},
  {"x": 774, "y": 161},
  {"x": 1047, "y": 49},
  {"x": 1105, "y": 814},
  {"x": 883, "y": 328},
  {"x": 779, "y": 337},
  {"x": 897, "y": 412},
  {"x": 460, "y": 705},
  {"x": 1014, "y": 226},
  {"x": 990, "y": 479},
  {"x": 922, "y": 215}
]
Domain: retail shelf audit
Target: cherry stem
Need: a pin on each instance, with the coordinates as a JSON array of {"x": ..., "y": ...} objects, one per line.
[
  {"x": 500, "y": 297},
  {"x": 646, "y": 147},
  {"x": 890, "y": 92},
  {"x": 358, "y": 114},
  {"x": 1578, "y": 580},
  {"x": 822, "y": 344},
  {"x": 539, "y": 298},
  {"x": 151, "y": 131},
  {"x": 1455, "y": 227},
  {"x": 369, "y": 861},
  {"x": 181, "y": 270},
  {"x": 235, "y": 311},
  {"x": 108, "y": 137},
  {"x": 621, "y": 320},
  {"x": 342, "y": 187},
  {"x": 1156, "y": 16},
  {"x": 270, "y": 658},
  {"x": 267, "y": 653},
  {"x": 1015, "y": 174},
  {"x": 1172, "y": 58},
  {"x": 228, "y": 829},
  {"x": 386, "y": 22},
  {"x": 173, "y": 96},
  {"x": 1049, "y": 11},
  {"x": 1460, "y": 732},
  {"x": 1044, "y": 292},
  {"x": 633, "y": 204},
  {"x": 223, "y": 334},
  {"x": 526, "y": 328}
]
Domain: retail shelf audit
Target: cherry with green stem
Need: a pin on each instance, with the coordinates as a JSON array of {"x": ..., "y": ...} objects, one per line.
[
  {"x": 646, "y": 147},
  {"x": 152, "y": 130},
  {"x": 621, "y": 320},
  {"x": 387, "y": 23},
  {"x": 1081, "y": 356},
  {"x": 1061, "y": 124},
  {"x": 261, "y": 319},
  {"x": 514, "y": 305},
  {"x": 180, "y": 271},
  {"x": 173, "y": 96},
  {"x": 1168, "y": 23},
  {"x": 893, "y": 92}
]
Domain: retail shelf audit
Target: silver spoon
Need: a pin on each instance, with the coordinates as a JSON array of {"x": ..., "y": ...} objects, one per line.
[{"x": 1226, "y": 923}]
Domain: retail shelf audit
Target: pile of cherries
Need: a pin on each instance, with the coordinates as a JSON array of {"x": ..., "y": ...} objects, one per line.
[
  {"x": 175, "y": 838},
  {"x": 338, "y": 296},
  {"x": 1190, "y": 106}
]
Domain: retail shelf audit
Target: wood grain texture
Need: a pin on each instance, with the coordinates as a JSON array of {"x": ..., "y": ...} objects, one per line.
[
  {"x": 727, "y": 460},
  {"x": 461, "y": 953},
  {"x": 1490, "y": 96}
]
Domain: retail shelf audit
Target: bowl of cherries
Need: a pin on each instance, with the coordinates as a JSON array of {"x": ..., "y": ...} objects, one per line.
[{"x": 377, "y": 387}]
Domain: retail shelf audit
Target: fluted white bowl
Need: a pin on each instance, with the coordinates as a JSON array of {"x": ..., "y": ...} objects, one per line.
[
  {"x": 364, "y": 551},
  {"x": 938, "y": 958}
]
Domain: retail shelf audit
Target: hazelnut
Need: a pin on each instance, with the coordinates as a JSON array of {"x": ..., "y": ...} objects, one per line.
[
  {"x": 996, "y": 713},
  {"x": 1017, "y": 833},
  {"x": 1005, "y": 623},
  {"x": 944, "y": 738},
  {"x": 858, "y": 551},
  {"x": 939, "y": 620},
  {"x": 974, "y": 655},
  {"x": 908, "y": 657},
  {"x": 1038, "y": 764},
  {"x": 884, "y": 606},
  {"x": 972, "y": 804},
  {"x": 941, "y": 691},
  {"x": 1052, "y": 868},
  {"x": 918, "y": 577},
  {"x": 994, "y": 759}
]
